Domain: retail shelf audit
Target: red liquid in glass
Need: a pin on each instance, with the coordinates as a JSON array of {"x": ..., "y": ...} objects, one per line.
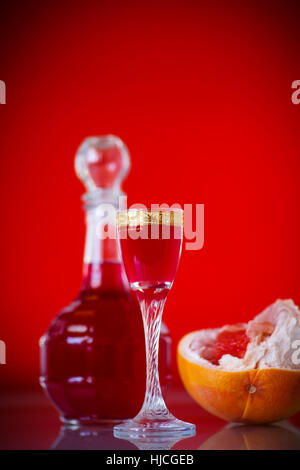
[
  {"x": 150, "y": 261},
  {"x": 93, "y": 354}
]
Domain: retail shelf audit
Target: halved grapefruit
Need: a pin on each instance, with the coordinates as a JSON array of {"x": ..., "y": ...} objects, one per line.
[{"x": 246, "y": 373}]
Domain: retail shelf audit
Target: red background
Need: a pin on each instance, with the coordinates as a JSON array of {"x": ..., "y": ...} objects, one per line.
[{"x": 201, "y": 94}]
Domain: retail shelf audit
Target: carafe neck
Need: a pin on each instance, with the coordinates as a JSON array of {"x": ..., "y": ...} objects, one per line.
[{"x": 102, "y": 265}]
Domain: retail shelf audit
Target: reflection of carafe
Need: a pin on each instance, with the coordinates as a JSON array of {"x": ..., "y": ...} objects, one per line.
[
  {"x": 99, "y": 437},
  {"x": 93, "y": 354}
]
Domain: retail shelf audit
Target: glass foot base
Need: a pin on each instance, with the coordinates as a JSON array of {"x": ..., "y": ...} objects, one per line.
[{"x": 168, "y": 428}]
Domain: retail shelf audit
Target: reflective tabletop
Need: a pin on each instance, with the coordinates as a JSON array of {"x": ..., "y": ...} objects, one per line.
[{"x": 28, "y": 421}]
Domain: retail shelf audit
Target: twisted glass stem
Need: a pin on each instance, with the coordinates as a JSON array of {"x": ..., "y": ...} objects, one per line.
[{"x": 154, "y": 406}]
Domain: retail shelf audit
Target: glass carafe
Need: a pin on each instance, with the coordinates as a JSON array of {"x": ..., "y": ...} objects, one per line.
[{"x": 93, "y": 353}]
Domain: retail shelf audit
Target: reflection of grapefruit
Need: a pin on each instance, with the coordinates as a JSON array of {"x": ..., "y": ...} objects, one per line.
[
  {"x": 245, "y": 372},
  {"x": 243, "y": 437}
]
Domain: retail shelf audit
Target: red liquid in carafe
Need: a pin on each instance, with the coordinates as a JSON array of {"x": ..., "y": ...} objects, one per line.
[{"x": 93, "y": 354}]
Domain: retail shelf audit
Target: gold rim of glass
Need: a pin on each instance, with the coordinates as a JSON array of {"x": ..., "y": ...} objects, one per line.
[{"x": 138, "y": 217}]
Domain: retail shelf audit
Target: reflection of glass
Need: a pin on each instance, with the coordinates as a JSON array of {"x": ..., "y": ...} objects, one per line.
[
  {"x": 155, "y": 443},
  {"x": 150, "y": 243},
  {"x": 283, "y": 436}
]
